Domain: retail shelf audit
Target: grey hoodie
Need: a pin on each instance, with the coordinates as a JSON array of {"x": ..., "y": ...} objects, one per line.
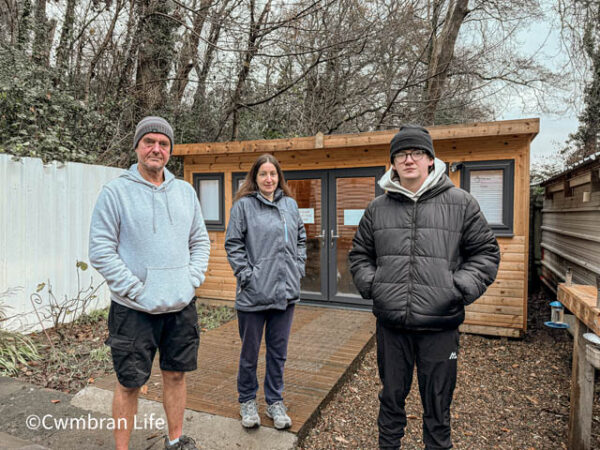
[
  {"x": 149, "y": 242},
  {"x": 391, "y": 183}
]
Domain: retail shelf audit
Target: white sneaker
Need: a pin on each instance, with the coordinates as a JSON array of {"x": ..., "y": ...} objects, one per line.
[
  {"x": 277, "y": 412},
  {"x": 249, "y": 413}
]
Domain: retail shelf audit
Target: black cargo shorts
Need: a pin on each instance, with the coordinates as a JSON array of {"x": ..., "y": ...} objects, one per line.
[{"x": 134, "y": 337}]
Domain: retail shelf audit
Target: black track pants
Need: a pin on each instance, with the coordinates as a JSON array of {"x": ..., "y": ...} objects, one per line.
[{"x": 435, "y": 354}]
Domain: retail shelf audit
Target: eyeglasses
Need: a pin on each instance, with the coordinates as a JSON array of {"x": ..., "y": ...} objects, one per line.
[{"x": 416, "y": 155}]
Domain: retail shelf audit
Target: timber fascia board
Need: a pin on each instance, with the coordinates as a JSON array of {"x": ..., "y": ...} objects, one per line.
[{"x": 368, "y": 140}]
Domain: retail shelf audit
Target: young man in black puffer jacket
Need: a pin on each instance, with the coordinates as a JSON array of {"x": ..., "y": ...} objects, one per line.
[{"x": 421, "y": 252}]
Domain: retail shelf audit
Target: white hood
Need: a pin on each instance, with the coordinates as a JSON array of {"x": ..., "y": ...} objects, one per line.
[{"x": 390, "y": 181}]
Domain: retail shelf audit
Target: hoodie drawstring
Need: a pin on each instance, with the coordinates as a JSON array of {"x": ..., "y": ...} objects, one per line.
[
  {"x": 133, "y": 174},
  {"x": 168, "y": 209},
  {"x": 154, "y": 209},
  {"x": 153, "y": 212}
]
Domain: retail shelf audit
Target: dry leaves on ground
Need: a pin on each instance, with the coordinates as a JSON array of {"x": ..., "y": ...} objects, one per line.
[{"x": 510, "y": 394}]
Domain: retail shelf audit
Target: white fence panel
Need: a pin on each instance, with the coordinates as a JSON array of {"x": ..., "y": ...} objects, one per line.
[{"x": 44, "y": 224}]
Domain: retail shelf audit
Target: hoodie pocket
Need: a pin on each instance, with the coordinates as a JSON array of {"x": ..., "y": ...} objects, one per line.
[{"x": 166, "y": 289}]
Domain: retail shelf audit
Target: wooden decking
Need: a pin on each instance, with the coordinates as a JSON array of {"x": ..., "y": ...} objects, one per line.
[{"x": 323, "y": 345}]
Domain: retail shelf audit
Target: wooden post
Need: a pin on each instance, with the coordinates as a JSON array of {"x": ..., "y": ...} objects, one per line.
[
  {"x": 582, "y": 393},
  {"x": 597, "y": 291},
  {"x": 569, "y": 277}
]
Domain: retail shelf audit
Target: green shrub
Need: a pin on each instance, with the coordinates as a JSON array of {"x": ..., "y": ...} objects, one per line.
[
  {"x": 211, "y": 317},
  {"x": 15, "y": 349},
  {"x": 39, "y": 119}
]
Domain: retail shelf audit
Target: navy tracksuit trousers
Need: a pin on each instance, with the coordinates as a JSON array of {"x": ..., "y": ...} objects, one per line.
[
  {"x": 277, "y": 325},
  {"x": 435, "y": 354}
]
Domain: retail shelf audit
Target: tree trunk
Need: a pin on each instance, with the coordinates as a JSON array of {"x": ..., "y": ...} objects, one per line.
[
  {"x": 9, "y": 13},
  {"x": 66, "y": 39},
  {"x": 251, "y": 50},
  {"x": 442, "y": 53},
  {"x": 101, "y": 49},
  {"x": 213, "y": 37},
  {"x": 24, "y": 26},
  {"x": 155, "y": 55},
  {"x": 588, "y": 132},
  {"x": 188, "y": 53},
  {"x": 40, "y": 43},
  {"x": 130, "y": 48}
]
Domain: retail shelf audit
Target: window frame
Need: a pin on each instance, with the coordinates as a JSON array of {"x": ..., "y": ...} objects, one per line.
[
  {"x": 235, "y": 178},
  {"x": 506, "y": 228},
  {"x": 212, "y": 225}
]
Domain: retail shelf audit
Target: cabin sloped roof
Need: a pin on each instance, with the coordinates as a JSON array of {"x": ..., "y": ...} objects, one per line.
[{"x": 377, "y": 139}]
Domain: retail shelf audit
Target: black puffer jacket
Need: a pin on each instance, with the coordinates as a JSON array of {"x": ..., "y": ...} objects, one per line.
[{"x": 422, "y": 261}]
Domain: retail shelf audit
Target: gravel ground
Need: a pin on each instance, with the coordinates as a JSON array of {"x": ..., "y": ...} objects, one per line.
[{"x": 510, "y": 394}]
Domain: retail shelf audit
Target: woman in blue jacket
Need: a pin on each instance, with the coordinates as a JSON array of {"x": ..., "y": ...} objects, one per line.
[{"x": 266, "y": 248}]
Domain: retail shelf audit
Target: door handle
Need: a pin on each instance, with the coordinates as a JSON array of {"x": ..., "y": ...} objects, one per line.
[
  {"x": 321, "y": 237},
  {"x": 333, "y": 238}
]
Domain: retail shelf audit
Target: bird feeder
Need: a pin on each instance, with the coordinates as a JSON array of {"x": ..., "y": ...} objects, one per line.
[{"x": 557, "y": 316}]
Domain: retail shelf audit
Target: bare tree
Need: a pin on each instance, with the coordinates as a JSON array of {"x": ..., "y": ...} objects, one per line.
[
  {"x": 65, "y": 45},
  {"x": 44, "y": 35},
  {"x": 126, "y": 60},
  {"x": 102, "y": 48},
  {"x": 24, "y": 25},
  {"x": 155, "y": 54},
  {"x": 238, "y": 69},
  {"x": 189, "y": 51},
  {"x": 9, "y": 14},
  {"x": 255, "y": 34},
  {"x": 581, "y": 32},
  {"x": 442, "y": 51},
  {"x": 225, "y": 9}
]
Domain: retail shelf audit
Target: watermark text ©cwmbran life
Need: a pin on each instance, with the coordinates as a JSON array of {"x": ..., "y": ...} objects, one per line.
[{"x": 89, "y": 422}]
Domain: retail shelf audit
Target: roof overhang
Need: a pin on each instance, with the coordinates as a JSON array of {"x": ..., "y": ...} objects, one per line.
[{"x": 377, "y": 139}]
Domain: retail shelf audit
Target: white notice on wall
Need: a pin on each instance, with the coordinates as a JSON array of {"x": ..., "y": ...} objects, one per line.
[
  {"x": 352, "y": 216},
  {"x": 486, "y": 187},
  {"x": 307, "y": 215}
]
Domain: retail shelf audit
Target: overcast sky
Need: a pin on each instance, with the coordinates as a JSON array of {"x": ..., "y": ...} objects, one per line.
[{"x": 554, "y": 128}]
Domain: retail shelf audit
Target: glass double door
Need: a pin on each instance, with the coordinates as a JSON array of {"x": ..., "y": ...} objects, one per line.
[{"x": 331, "y": 204}]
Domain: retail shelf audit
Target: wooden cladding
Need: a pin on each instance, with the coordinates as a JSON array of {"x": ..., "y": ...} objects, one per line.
[{"x": 502, "y": 310}]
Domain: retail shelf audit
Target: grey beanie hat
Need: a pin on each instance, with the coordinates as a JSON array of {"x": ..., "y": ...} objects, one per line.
[
  {"x": 411, "y": 137},
  {"x": 153, "y": 124}
]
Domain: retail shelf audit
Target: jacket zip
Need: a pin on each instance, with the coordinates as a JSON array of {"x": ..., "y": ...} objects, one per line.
[
  {"x": 285, "y": 230},
  {"x": 411, "y": 261},
  {"x": 285, "y": 245}
]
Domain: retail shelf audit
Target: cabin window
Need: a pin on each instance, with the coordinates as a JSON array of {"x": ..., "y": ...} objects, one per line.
[
  {"x": 237, "y": 178},
  {"x": 209, "y": 188},
  {"x": 492, "y": 184}
]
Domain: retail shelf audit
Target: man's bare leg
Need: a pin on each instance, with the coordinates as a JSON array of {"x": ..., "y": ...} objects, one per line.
[
  {"x": 125, "y": 402},
  {"x": 174, "y": 397}
]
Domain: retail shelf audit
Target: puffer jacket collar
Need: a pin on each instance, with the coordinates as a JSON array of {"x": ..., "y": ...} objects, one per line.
[
  {"x": 442, "y": 185},
  {"x": 276, "y": 197}
]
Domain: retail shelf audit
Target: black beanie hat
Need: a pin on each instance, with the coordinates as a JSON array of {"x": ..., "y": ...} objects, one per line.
[
  {"x": 411, "y": 137},
  {"x": 153, "y": 124}
]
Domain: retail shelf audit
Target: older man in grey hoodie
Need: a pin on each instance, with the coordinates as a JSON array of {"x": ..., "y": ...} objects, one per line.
[
  {"x": 422, "y": 252},
  {"x": 149, "y": 241}
]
